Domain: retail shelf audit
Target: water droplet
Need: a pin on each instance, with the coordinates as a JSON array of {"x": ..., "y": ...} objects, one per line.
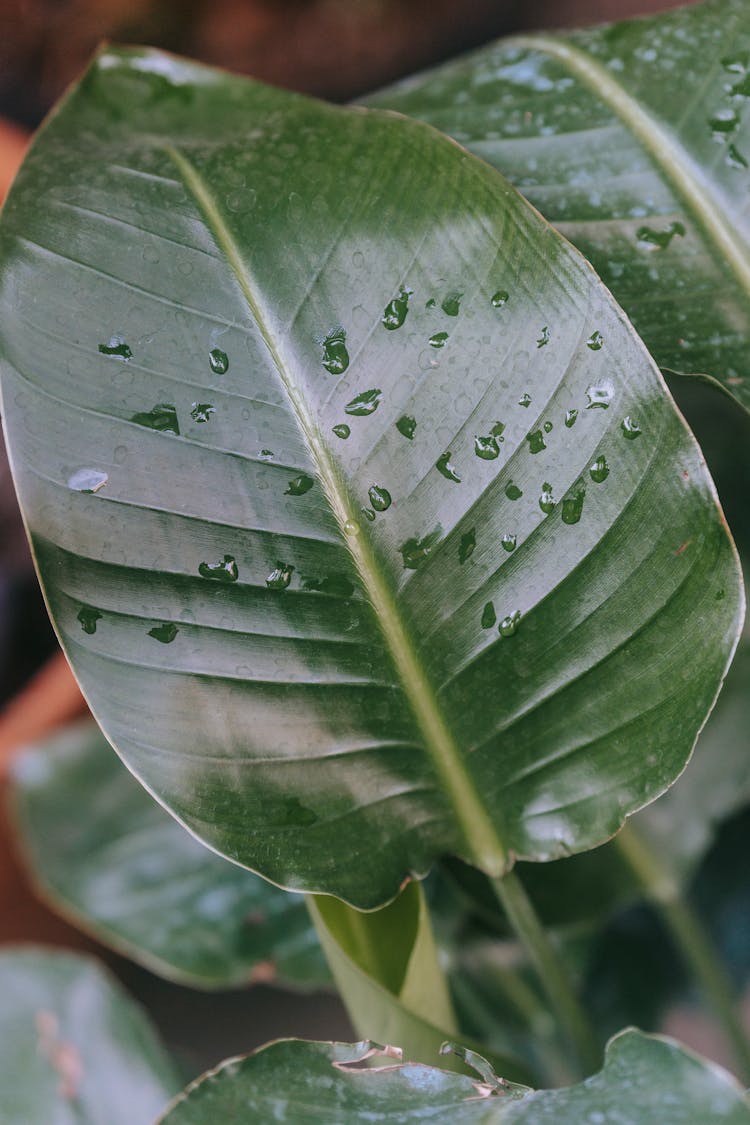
[
  {"x": 117, "y": 348},
  {"x": 525, "y": 399},
  {"x": 570, "y": 417},
  {"x": 509, "y": 542},
  {"x": 88, "y": 617},
  {"x": 201, "y": 411},
  {"x": 380, "y": 498},
  {"x": 543, "y": 338},
  {"x": 351, "y": 527},
  {"x": 572, "y": 505},
  {"x": 365, "y": 403},
  {"x": 488, "y": 616},
  {"x": 451, "y": 305},
  {"x": 165, "y": 633},
  {"x": 342, "y": 430},
  {"x": 735, "y": 64},
  {"x": 724, "y": 121},
  {"x": 512, "y": 491},
  {"x": 599, "y": 470},
  {"x": 536, "y": 441},
  {"x": 444, "y": 466},
  {"x": 415, "y": 550},
  {"x": 599, "y": 395},
  {"x": 87, "y": 480},
  {"x": 299, "y": 486},
  {"x": 498, "y": 430},
  {"x": 659, "y": 239},
  {"x": 280, "y": 577},
  {"x": 370, "y": 516},
  {"x": 547, "y": 500},
  {"x": 500, "y": 298},
  {"x": 335, "y": 356},
  {"x": 486, "y": 448},
  {"x": 734, "y": 157},
  {"x": 395, "y": 311},
  {"x": 407, "y": 425},
  {"x": 162, "y": 417},
  {"x": 595, "y": 341},
  {"x": 630, "y": 428},
  {"x": 266, "y": 454},
  {"x": 466, "y": 545},
  {"x": 218, "y": 361},
  {"x": 438, "y": 340},
  {"x": 225, "y": 571},
  {"x": 430, "y": 303},
  {"x": 547, "y": 427},
  {"x": 741, "y": 89},
  {"x": 509, "y": 625}
]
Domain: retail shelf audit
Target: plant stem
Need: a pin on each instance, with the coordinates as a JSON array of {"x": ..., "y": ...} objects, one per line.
[
  {"x": 550, "y": 969},
  {"x": 689, "y": 935}
]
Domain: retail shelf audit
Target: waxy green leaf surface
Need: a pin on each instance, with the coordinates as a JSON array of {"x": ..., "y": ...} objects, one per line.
[
  {"x": 633, "y": 139},
  {"x": 495, "y": 620},
  {"x": 645, "y": 1081},
  {"x": 107, "y": 856},
  {"x": 74, "y": 1049}
]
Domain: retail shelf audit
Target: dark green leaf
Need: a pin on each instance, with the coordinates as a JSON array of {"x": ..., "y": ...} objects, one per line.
[
  {"x": 645, "y": 1081},
  {"x": 74, "y": 1049},
  {"x": 642, "y": 166},
  {"x": 107, "y": 856},
  {"x": 333, "y": 742}
]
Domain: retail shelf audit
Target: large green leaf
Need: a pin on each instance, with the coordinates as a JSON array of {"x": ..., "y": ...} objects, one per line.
[
  {"x": 634, "y": 140},
  {"x": 106, "y": 855},
  {"x": 74, "y": 1050},
  {"x": 336, "y": 624},
  {"x": 645, "y": 1081}
]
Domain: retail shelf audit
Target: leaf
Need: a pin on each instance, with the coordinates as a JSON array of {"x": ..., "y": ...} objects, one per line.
[
  {"x": 386, "y": 967},
  {"x": 106, "y": 856},
  {"x": 74, "y": 1049},
  {"x": 644, "y": 170},
  {"x": 646, "y": 1080},
  {"x": 339, "y": 742}
]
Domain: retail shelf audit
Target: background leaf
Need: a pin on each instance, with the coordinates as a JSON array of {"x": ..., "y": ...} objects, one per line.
[
  {"x": 645, "y": 1081},
  {"x": 107, "y": 856},
  {"x": 314, "y": 689},
  {"x": 643, "y": 168},
  {"x": 74, "y": 1050}
]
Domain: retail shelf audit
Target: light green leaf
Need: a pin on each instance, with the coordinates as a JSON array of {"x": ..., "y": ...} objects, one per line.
[
  {"x": 386, "y": 966},
  {"x": 319, "y": 692},
  {"x": 104, "y": 854},
  {"x": 646, "y": 1080},
  {"x": 643, "y": 167},
  {"x": 74, "y": 1049}
]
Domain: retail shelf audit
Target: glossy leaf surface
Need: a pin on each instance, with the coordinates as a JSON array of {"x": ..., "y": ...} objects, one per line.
[
  {"x": 492, "y": 632},
  {"x": 107, "y": 856},
  {"x": 74, "y": 1050},
  {"x": 645, "y": 1081},
  {"x": 645, "y": 168}
]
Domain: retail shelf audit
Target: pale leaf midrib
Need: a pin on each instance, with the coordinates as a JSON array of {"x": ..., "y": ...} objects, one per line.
[
  {"x": 482, "y": 840},
  {"x": 674, "y": 161}
]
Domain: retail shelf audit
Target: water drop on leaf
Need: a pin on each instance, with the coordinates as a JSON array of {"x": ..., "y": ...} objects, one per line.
[
  {"x": 444, "y": 466},
  {"x": 162, "y": 417},
  {"x": 570, "y": 417},
  {"x": 280, "y": 577},
  {"x": 201, "y": 411},
  {"x": 116, "y": 348},
  {"x": 335, "y": 356},
  {"x": 488, "y": 616},
  {"x": 225, "y": 571},
  {"x": 365, "y": 403},
  {"x": 536, "y": 441},
  {"x": 599, "y": 395},
  {"x": 218, "y": 361},
  {"x": 509, "y": 625},
  {"x": 300, "y": 485},
  {"x": 486, "y": 448},
  {"x": 165, "y": 633},
  {"x": 525, "y": 399},
  {"x": 88, "y": 617},
  {"x": 630, "y": 428},
  {"x": 87, "y": 480},
  {"x": 438, "y": 340},
  {"x": 512, "y": 491},
  {"x": 572, "y": 506},
  {"x": 500, "y": 298},
  {"x": 543, "y": 338},
  {"x": 599, "y": 470},
  {"x": 509, "y": 542},
  {"x": 395, "y": 311},
  {"x": 342, "y": 430},
  {"x": 547, "y": 500},
  {"x": 451, "y": 305},
  {"x": 380, "y": 498},
  {"x": 595, "y": 341},
  {"x": 407, "y": 426},
  {"x": 415, "y": 550}
]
